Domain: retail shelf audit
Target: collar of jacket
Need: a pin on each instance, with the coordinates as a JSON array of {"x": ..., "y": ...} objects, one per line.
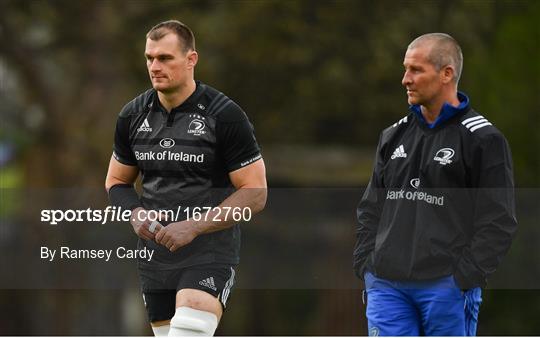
[{"x": 447, "y": 111}]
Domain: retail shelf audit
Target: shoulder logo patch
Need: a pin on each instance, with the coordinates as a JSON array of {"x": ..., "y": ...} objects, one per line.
[
  {"x": 475, "y": 123},
  {"x": 197, "y": 125},
  {"x": 444, "y": 155}
]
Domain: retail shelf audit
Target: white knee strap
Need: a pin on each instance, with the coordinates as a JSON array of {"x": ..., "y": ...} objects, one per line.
[
  {"x": 191, "y": 322},
  {"x": 161, "y": 331}
]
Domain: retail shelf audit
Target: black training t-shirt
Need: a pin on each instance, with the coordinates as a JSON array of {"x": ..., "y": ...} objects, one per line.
[{"x": 185, "y": 158}]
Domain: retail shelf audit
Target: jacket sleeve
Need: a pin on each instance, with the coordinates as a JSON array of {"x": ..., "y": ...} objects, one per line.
[
  {"x": 368, "y": 214},
  {"x": 494, "y": 216}
]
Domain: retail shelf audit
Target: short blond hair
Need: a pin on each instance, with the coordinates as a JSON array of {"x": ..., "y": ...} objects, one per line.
[{"x": 444, "y": 51}]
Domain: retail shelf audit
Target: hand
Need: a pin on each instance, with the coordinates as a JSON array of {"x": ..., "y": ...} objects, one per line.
[
  {"x": 142, "y": 226},
  {"x": 176, "y": 235}
]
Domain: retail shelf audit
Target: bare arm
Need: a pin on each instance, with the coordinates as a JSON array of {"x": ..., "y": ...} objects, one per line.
[
  {"x": 119, "y": 173},
  {"x": 251, "y": 192}
]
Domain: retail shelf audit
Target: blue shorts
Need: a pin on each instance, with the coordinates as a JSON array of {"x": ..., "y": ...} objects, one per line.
[{"x": 432, "y": 308}]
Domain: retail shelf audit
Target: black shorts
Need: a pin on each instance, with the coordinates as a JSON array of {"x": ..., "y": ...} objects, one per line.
[{"x": 159, "y": 287}]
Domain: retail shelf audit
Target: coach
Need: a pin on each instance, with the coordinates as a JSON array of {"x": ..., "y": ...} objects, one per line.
[{"x": 438, "y": 214}]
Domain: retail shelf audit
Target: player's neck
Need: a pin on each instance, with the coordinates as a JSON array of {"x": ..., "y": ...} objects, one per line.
[
  {"x": 169, "y": 100},
  {"x": 432, "y": 110}
]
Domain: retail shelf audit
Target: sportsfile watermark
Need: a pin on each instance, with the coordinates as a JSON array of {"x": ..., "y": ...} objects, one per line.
[
  {"x": 307, "y": 234},
  {"x": 68, "y": 253},
  {"x": 118, "y": 214}
]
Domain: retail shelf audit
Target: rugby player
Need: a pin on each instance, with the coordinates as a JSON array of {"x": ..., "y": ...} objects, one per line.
[{"x": 194, "y": 148}]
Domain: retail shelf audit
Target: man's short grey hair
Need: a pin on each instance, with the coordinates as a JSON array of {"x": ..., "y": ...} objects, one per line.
[{"x": 444, "y": 51}]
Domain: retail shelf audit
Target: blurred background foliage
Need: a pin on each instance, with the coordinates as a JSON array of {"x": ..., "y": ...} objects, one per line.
[{"x": 319, "y": 80}]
